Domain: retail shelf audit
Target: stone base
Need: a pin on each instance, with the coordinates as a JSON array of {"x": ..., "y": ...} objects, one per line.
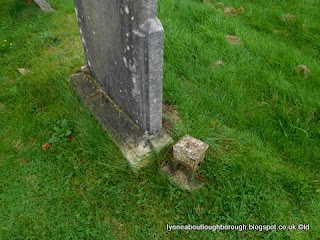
[
  {"x": 180, "y": 178},
  {"x": 135, "y": 145}
]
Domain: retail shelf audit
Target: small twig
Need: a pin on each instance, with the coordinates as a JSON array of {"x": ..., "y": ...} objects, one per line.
[{"x": 201, "y": 178}]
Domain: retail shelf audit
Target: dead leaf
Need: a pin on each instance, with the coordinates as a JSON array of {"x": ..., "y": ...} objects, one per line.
[
  {"x": 23, "y": 71},
  {"x": 218, "y": 63},
  {"x": 288, "y": 17},
  {"x": 46, "y": 146},
  {"x": 234, "y": 40},
  {"x": 303, "y": 69},
  {"x": 70, "y": 138},
  {"x": 197, "y": 209},
  {"x": 17, "y": 144}
]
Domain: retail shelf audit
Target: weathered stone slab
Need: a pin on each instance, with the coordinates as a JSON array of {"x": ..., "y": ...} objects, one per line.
[
  {"x": 44, "y": 5},
  {"x": 135, "y": 144},
  {"x": 123, "y": 44}
]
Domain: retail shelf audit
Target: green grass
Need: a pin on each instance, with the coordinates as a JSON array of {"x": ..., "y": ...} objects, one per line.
[{"x": 260, "y": 117}]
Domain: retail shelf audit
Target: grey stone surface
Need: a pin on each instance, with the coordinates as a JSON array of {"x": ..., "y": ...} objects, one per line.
[
  {"x": 44, "y": 5},
  {"x": 181, "y": 179},
  {"x": 189, "y": 152},
  {"x": 123, "y": 44}
]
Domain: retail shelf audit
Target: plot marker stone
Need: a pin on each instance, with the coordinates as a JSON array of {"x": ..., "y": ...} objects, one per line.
[{"x": 189, "y": 152}]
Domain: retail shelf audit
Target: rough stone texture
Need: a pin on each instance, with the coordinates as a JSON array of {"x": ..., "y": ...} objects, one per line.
[
  {"x": 189, "y": 152},
  {"x": 44, "y": 5},
  {"x": 180, "y": 178},
  {"x": 123, "y": 44},
  {"x": 134, "y": 143}
]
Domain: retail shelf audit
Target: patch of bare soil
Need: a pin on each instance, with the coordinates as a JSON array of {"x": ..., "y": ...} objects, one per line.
[
  {"x": 228, "y": 10},
  {"x": 304, "y": 70},
  {"x": 234, "y": 40},
  {"x": 233, "y": 12},
  {"x": 288, "y": 17}
]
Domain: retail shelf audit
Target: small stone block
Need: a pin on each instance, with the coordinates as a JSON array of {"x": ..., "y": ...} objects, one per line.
[{"x": 189, "y": 152}]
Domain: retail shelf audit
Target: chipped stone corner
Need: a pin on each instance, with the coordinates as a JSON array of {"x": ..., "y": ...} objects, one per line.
[{"x": 139, "y": 152}]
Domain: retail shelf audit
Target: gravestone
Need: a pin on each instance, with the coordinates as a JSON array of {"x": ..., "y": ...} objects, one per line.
[{"x": 123, "y": 45}]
